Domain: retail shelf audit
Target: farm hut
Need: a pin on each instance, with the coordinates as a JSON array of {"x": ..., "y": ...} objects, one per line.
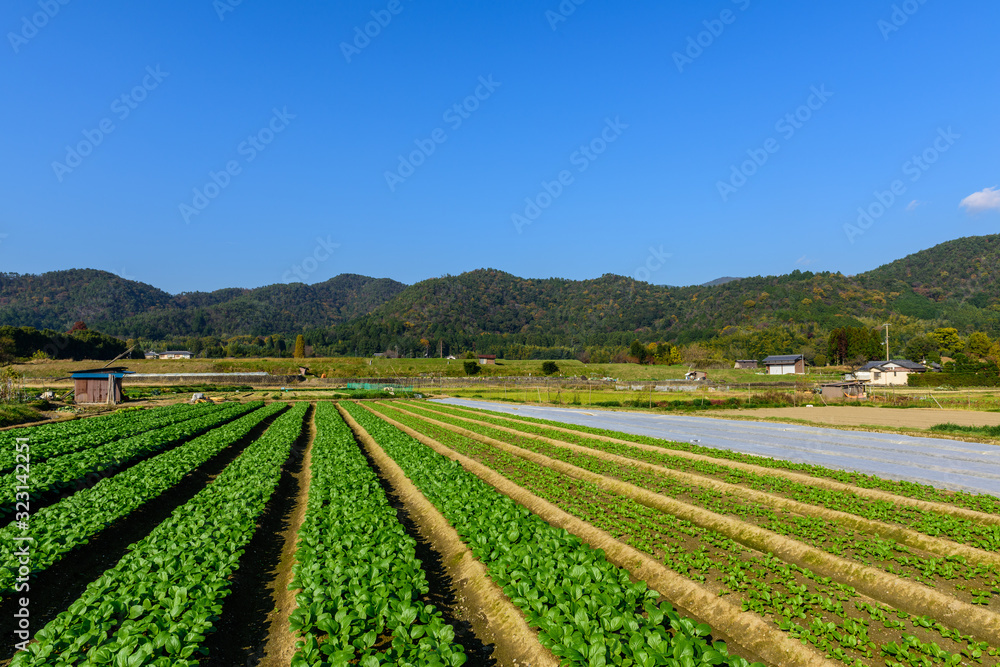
[
  {"x": 486, "y": 358},
  {"x": 785, "y": 364},
  {"x": 152, "y": 355},
  {"x": 746, "y": 363},
  {"x": 834, "y": 390},
  {"x": 700, "y": 376},
  {"x": 99, "y": 385}
]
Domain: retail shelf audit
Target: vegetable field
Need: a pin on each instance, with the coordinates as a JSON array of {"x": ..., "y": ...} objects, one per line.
[{"x": 410, "y": 533}]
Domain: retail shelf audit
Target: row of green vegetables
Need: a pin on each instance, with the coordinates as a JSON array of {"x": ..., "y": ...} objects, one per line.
[
  {"x": 356, "y": 569},
  {"x": 62, "y": 471},
  {"x": 587, "y": 610},
  {"x": 818, "y": 532},
  {"x": 157, "y": 604},
  {"x": 985, "y": 537},
  {"x": 830, "y": 616},
  {"x": 58, "y": 529},
  {"x": 979, "y": 502},
  {"x": 69, "y": 428},
  {"x": 60, "y": 438}
]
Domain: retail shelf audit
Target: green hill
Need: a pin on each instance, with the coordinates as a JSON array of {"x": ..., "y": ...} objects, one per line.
[{"x": 952, "y": 284}]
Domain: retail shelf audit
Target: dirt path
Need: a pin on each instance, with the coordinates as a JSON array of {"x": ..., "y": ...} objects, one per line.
[
  {"x": 849, "y": 415},
  {"x": 280, "y": 646}
]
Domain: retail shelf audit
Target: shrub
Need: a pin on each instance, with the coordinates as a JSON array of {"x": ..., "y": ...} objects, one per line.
[
  {"x": 550, "y": 367},
  {"x": 471, "y": 367}
]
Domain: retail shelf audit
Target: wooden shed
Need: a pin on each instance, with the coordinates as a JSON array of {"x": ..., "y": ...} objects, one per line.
[
  {"x": 99, "y": 385},
  {"x": 746, "y": 363},
  {"x": 835, "y": 390}
]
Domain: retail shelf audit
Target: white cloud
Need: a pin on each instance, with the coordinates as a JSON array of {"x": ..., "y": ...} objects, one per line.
[
  {"x": 984, "y": 200},
  {"x": 914, "y": 205},
  {"x": 804, "y": 261}
]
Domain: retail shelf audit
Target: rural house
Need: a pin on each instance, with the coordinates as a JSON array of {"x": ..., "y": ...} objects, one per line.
[
  {"x": 746, "y": 363},
  {"x": 176, "y": 354},
  {"x": 785, "y": 364},
  {"x": 889, "y": 373}
]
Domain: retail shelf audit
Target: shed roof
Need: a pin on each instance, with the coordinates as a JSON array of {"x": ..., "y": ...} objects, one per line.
[
  {"x": 783, "y": 358},
  {"x": 902, "y": 363},
  {"x": 117, "y": 371}
]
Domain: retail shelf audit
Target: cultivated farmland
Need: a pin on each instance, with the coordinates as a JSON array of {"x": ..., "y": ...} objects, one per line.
[{"x": 412, "y": 533}]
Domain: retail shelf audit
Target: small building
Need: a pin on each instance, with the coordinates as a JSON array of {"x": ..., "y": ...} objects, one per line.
[
  {"x": 99, "y": 385},
  {"x": 699, "y": 376},
  {"x": 746, "y": 363},
  {"x": 852, "y": 389},
  {"x": 152, "y": 355},
  {"x": 785, "y": 364},
  {"x": 176, "y": 354},
  {"x": 895, "y": 372},
  {"x": 486, "y": 358}
]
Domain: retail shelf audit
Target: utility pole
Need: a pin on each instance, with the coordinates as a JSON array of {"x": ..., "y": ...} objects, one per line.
[{"x": 887, "y": 341}]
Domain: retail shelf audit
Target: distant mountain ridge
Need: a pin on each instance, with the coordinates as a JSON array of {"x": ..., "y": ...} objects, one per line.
[
  {"x": 720, "y": 281},
  {"x": 123, "y": 307},
  {"x": 954, "y": 283}
]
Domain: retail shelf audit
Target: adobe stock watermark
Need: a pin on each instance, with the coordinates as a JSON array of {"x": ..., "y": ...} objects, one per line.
[
  {"x": 696, "y": 44},
  {"x": 22, "y": 543},
  {"x": 223, "y": 7},
  {"x": 787, "y": 126},
  {"x": 363, "y": 37},
  {"x": 899, "y": 17},
  {"x": 310, "y": 263},
  {"x": 654, "y": 262},
  {"x": 454, "y": 116},
  {"x": 562, "y": 13},
  {"x": 248, "y": 149},
  {"x": 30, "y": 25},
  {"x": 122, "y": 107},
  {"x": 914, "y": 169},
  {"x": 581, "y": 158}
]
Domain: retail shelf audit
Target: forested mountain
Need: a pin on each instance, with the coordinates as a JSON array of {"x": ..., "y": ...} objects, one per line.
[
  {"x": 131, "y": 309},
  {"x": 953, "y": 284}
]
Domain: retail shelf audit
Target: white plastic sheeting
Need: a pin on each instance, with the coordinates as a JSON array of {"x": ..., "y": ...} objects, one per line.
[{"x": 947, "y": 464}]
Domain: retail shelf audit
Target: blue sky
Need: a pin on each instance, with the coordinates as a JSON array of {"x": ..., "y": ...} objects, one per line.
[{"x": 252, "y": 143}]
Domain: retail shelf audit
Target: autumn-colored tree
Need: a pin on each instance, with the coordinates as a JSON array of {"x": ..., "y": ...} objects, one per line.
[
  {"x": 300, "y": 347},
  {"x": 77, "y": 326}
]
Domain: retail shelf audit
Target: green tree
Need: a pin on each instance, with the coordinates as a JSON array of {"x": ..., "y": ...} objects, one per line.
[
  {"x": 948, "y": 341},
  {"x": 471, "y": 367},
  {"x": 300, "y": 347},
  {"x": 922, "y": 348},
  {"x": 978, "y": 344},
  {"x": 639, "y": 351},
  {"x": 550, "y": 367}
]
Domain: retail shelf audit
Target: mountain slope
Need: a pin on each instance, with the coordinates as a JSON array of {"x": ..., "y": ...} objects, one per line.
[
  {"x": 122, "y": 307},
  {"x": 950, "y": 284}
]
